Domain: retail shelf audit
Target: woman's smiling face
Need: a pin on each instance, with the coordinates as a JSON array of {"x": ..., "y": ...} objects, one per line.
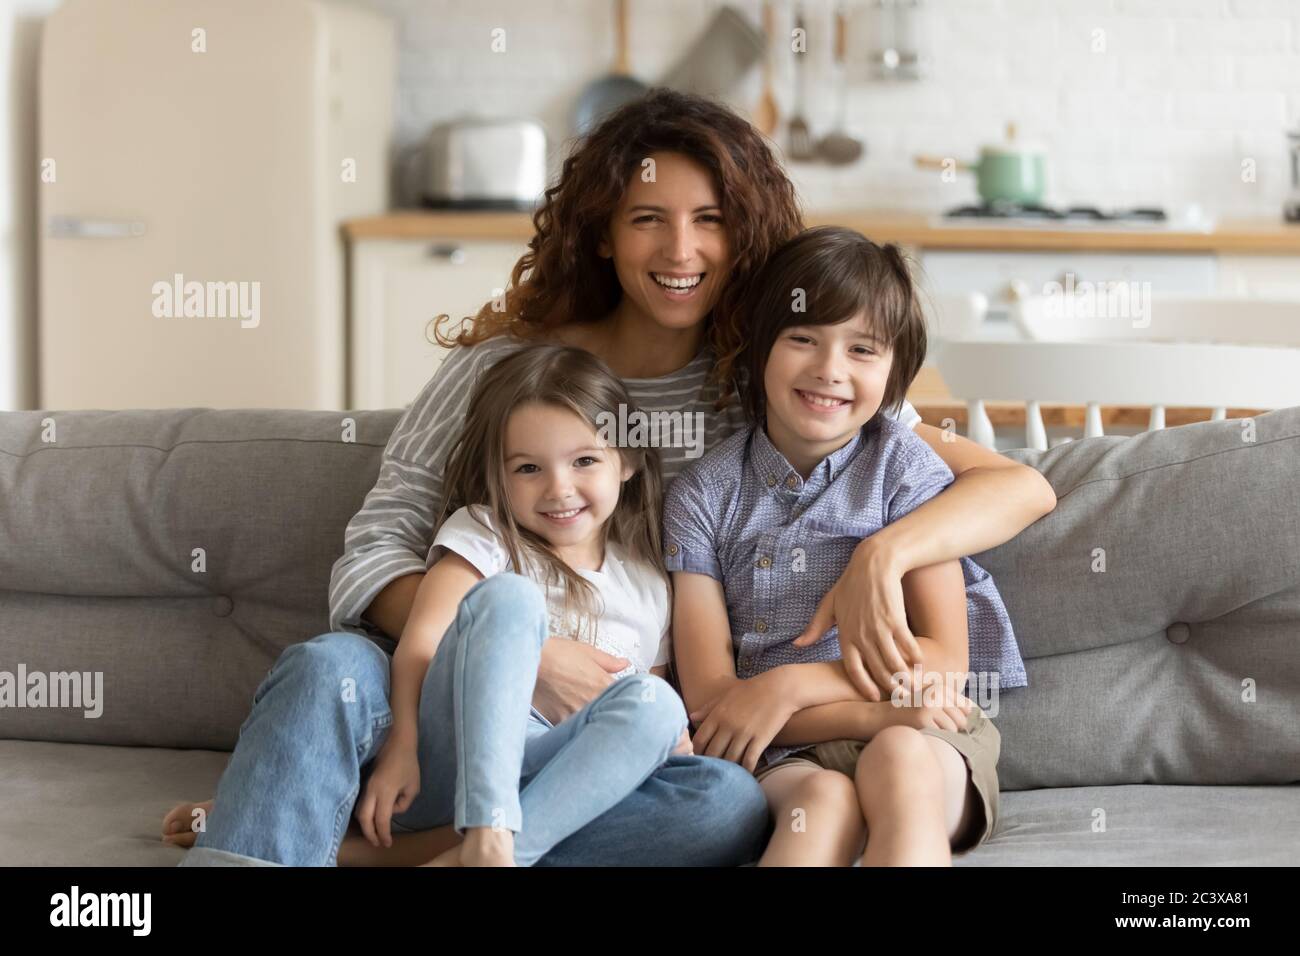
[{"x": 669, "y": 243}]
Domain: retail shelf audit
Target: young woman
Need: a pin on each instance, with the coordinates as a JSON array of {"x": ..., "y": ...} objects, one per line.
[{"x": 642, "y": 251}]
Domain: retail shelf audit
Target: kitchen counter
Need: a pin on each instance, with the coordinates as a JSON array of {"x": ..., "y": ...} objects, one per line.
[
  {"x": 928, "y": 393},
  {"x": 1242, "y": 236}
]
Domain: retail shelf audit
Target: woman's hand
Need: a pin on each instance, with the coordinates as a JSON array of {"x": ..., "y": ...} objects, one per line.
[
  {"x": 570, "y": 676},
  {"x": 392, "y": 787},
  {"x": 741, "y": 723},
  {"x": 867, "y": 604}
]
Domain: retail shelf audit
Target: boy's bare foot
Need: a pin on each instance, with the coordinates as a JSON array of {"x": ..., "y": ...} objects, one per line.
[{"x": 179, "y": 825}]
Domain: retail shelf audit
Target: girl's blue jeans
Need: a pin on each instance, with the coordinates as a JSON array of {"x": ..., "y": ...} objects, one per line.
[{"x": 598, "y": 789}]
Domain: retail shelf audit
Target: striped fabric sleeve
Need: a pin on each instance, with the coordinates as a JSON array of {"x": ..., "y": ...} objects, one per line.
[{"x": 392, "y": 533}]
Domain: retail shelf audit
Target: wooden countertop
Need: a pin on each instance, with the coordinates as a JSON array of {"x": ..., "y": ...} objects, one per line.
[
  {"x": 928, "y": 394},
  {"x": 1242, "y": 236}
]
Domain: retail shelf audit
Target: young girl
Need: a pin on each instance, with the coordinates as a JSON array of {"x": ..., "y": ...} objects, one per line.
[
  {"x": 759, "y": 530},
  {"x": 554, "y": 533}
]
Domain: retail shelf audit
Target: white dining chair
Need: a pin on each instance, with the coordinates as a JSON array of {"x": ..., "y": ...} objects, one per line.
[{"x": 1221, "y": 353}]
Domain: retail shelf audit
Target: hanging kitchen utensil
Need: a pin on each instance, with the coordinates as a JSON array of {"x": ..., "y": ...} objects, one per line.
[
  {"x": 802, "y": 146},
  {"x": 765, "y": 113},
  {"x": 1291, "y": 209},
  {"x": 839, "y": 148},
  {"x": 607, "y": 94},
  {"x": 722, "y": 55}
]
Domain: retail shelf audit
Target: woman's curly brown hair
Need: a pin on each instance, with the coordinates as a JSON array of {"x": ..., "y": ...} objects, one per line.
[{"x": 561, "y": 278}]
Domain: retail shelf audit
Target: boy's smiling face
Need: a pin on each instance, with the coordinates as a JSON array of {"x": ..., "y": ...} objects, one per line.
[{"x": 822, "y": 383}]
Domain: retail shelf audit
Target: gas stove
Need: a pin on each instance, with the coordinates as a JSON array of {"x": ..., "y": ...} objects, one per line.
[{"x": 1029, "y": 216}]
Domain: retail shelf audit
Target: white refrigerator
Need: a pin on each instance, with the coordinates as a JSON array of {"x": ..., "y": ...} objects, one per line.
[{"x": 197, "y": 158}]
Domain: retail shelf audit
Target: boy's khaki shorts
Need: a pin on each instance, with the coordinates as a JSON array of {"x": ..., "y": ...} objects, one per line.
[{"x": 980, "y": 744}]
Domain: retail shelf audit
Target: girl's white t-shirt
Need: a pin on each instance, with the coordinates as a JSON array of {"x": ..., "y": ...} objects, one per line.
[{"x": 633, "y": 599}]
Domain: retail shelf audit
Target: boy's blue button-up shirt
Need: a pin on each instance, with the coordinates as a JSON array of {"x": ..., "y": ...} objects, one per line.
[{"x": 743, "y": 515}]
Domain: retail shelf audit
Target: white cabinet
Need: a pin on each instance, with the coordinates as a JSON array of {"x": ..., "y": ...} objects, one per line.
[
  {"x": 1261, "y": 277},
  {"x": 398, "y": 287},
  {"x": 1004, "y": 276}
]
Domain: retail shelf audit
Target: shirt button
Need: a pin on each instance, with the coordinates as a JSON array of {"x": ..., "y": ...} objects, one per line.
[
  {"x": 789, "y": 482},
  {"x": 771, "y": 480},
  {"x": 760, "y": 625},
  {"x": 764, "y": 562},
  {"x": 672, "y": 549}
]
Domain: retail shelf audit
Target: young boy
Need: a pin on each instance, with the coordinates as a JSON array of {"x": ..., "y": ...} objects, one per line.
[{"x": 759, "y": 530}]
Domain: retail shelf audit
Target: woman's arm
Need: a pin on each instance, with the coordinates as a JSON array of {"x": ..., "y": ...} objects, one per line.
[
  {"x": 391, "y": 606},
  {"x": 936, "y": 601},
  {"x": 387, "y": 542},
  {"x": 991, "y": 500}
]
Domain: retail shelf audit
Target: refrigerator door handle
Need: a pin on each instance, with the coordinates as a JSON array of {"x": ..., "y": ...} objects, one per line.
[{"x": 73, "y": 227}]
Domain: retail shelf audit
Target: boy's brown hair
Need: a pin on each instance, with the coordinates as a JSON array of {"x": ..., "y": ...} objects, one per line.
[{"x": 832, "y": 274}]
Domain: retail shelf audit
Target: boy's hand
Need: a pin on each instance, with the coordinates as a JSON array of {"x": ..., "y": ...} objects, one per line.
[
  {"x": 867, "y": 604},
  {"x": 953, "y": 715},
  {"x": 392, "y": 787},
  {"x": 741, "y": 723}
]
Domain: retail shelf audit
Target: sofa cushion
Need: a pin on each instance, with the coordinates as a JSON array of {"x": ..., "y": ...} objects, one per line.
[
  {"x": 86, "y": 805},
  {"x": 1144, "y": 826},
  {"x": 93, "y": 805},
  {"x": 1178, "y": 663},
  {"x": 97, "y": 568}
]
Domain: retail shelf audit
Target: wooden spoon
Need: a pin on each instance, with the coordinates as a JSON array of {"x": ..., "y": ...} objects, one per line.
[
  {"x": 765, "y": 113},
  {"x": 839, "y": 148}
]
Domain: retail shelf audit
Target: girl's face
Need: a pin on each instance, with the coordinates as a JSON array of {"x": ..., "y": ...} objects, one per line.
[
  {"x": 669, "y": 243},
  {"x": 562, "y": 481},
  {"x": 843, "y": 363}
]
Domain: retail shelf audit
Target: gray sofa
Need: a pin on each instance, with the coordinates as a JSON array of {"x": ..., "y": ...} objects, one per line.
[{"x": 1161, "y": 724}]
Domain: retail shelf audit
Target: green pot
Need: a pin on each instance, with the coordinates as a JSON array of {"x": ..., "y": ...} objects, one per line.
[{"x": 1010, "y": 172}]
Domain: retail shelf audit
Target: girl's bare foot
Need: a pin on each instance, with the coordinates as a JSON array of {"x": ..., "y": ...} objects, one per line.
[
  {"x": 483, "y": 846},
  {"x": 182, "y": 825},
  {"x": 449, "y": 857},
  {"x": 488, "y": 846}
]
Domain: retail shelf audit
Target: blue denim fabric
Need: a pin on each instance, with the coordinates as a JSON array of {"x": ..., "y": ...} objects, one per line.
[{"x": 598, "y": 789}]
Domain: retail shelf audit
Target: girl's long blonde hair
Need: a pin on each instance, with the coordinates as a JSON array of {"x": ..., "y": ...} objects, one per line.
[{"x": 573, "y": 379}]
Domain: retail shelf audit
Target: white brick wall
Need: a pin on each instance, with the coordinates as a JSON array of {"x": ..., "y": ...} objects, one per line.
[{"x": 1181, "y": 92}]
